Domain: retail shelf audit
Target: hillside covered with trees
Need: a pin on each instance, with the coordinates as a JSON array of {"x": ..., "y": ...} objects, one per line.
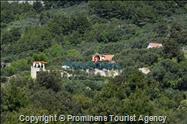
[{"x": 72, "y": 31}]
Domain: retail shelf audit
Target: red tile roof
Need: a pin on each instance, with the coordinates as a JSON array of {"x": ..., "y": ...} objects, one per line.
[
  {"x": 43, "y": 62},
  {"x": 154, "y": 45},
  {"x": 102, "y": 57}
]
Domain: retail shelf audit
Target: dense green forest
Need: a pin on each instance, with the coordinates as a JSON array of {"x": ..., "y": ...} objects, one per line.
[{"x": 63, "y": 31}]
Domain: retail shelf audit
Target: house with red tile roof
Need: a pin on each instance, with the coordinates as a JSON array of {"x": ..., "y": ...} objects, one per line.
[
  {"x": 102, "y": 57},
  {"x": 154, "y": 45}
]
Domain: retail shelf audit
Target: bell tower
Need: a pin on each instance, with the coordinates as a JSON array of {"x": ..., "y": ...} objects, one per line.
[{"x": 36, "y": 67}]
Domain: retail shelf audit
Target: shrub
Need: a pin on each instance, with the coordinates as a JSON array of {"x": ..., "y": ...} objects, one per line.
[{"x": 50, "y": 80}]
